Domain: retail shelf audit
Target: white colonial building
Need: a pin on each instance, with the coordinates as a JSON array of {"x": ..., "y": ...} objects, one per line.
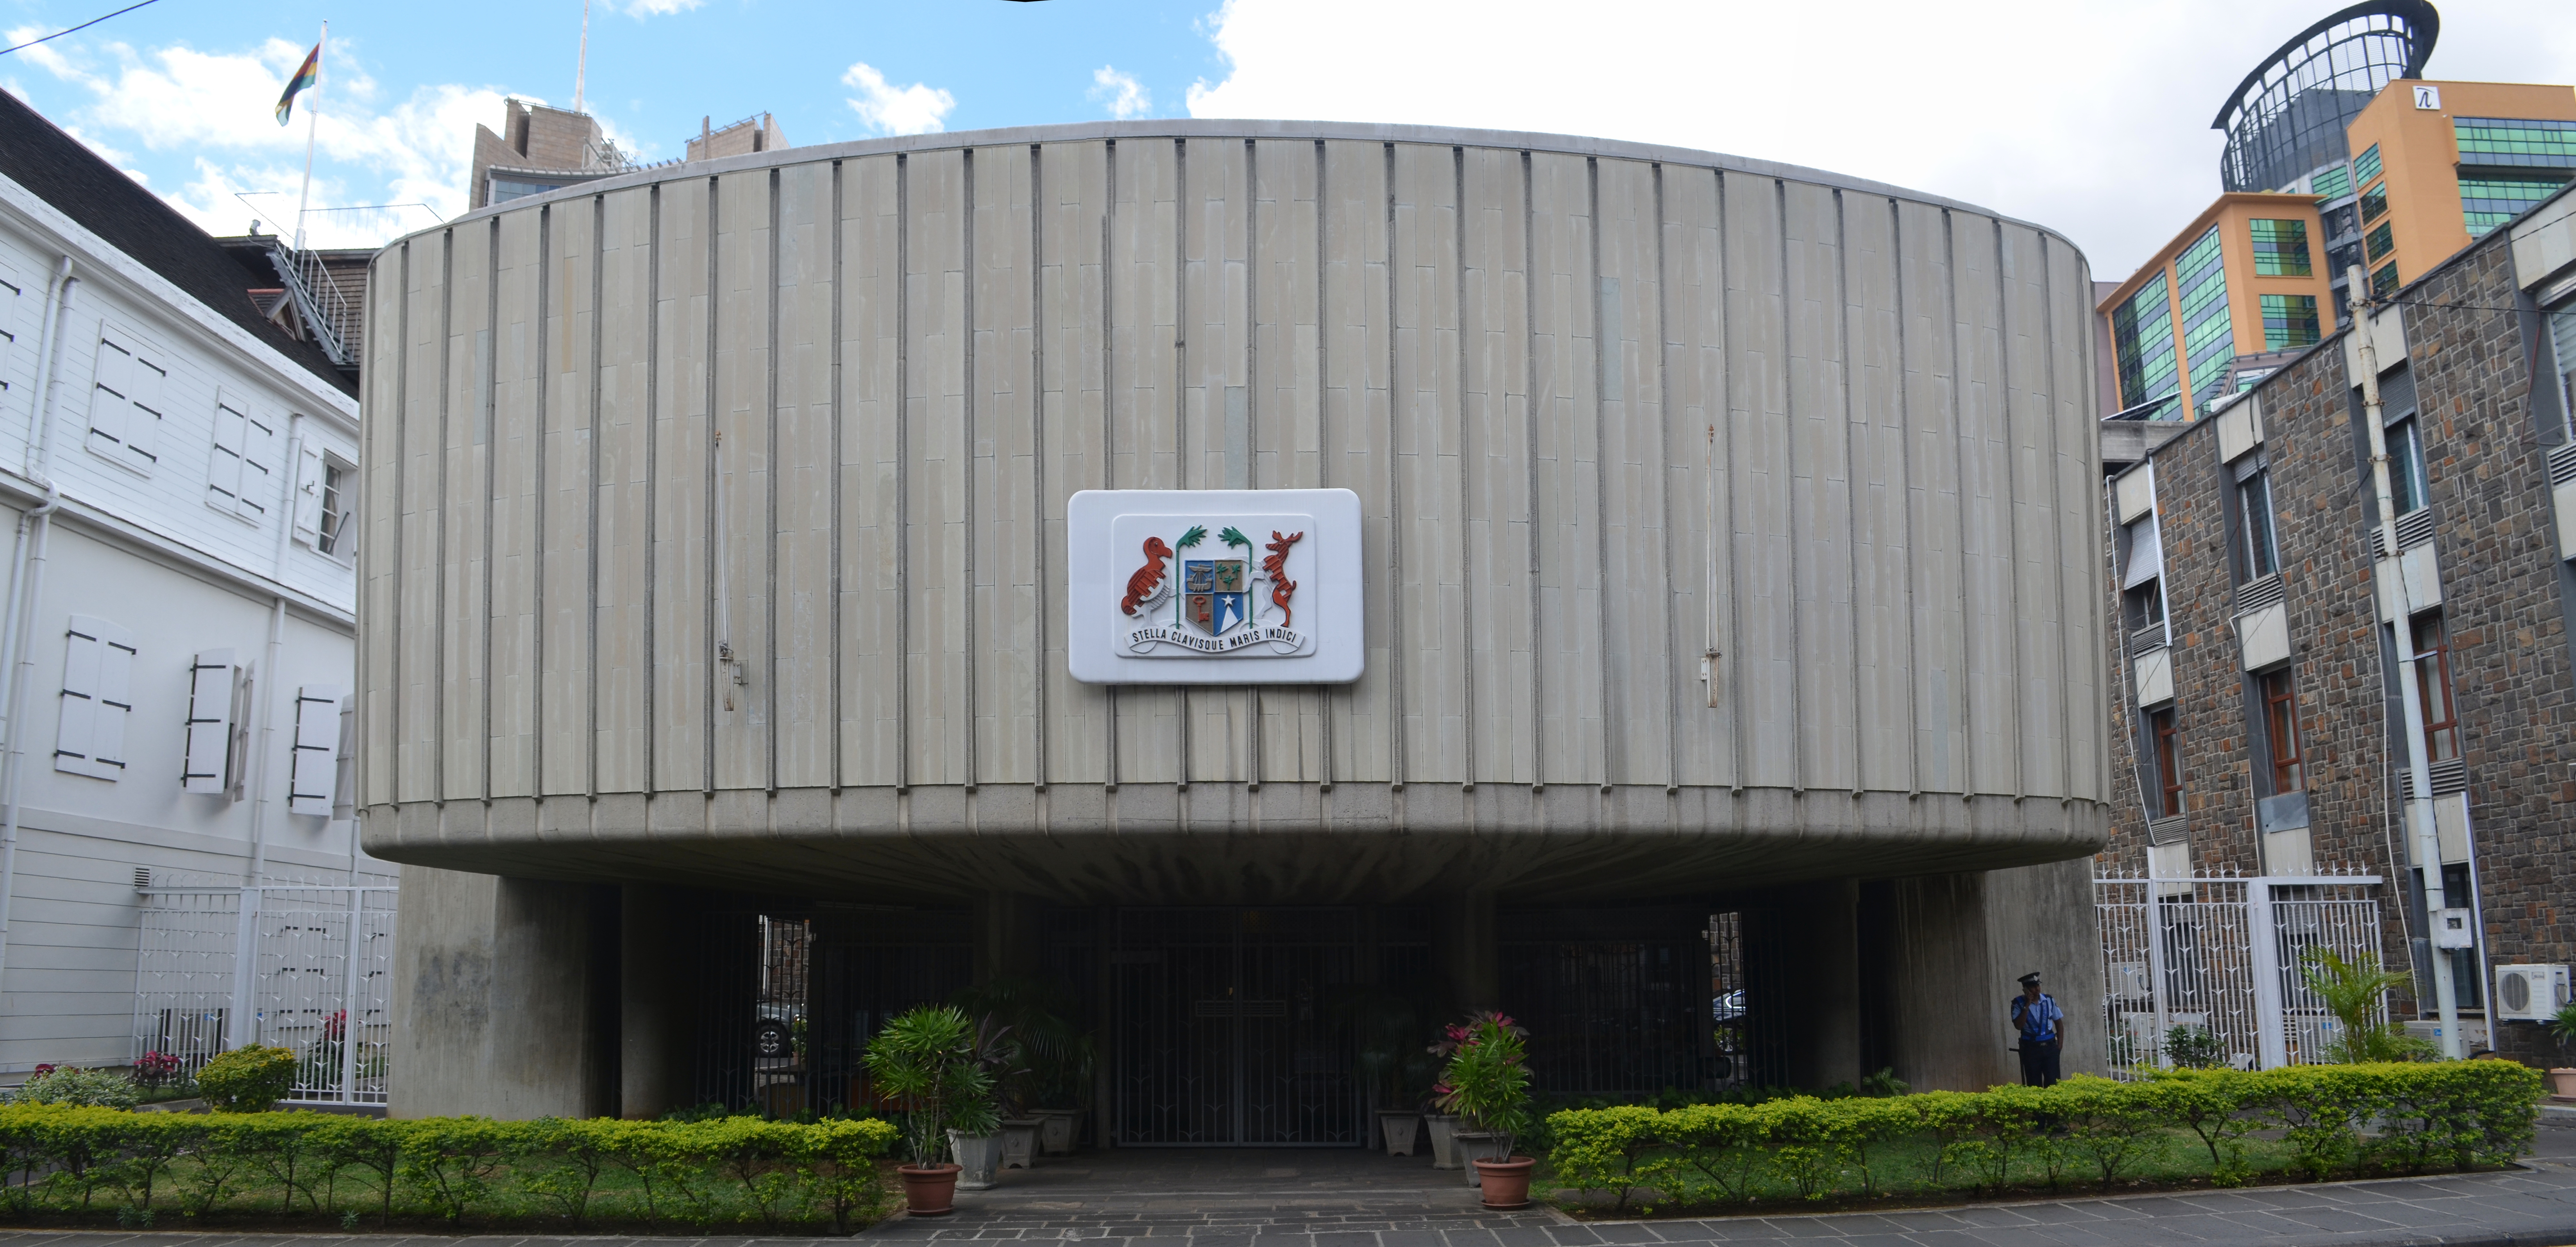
[{"x": 177, "y": 640}]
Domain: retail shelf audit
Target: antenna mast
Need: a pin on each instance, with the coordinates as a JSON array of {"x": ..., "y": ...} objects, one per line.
[{"x": 581, "y": 70}]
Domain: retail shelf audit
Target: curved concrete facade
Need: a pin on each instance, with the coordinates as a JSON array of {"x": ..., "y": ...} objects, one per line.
[{"x": 1726, "y": 524}]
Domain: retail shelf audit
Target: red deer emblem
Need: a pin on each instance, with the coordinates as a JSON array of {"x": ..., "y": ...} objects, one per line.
[
  {"x": 1141, "y": 586},
  {"x": 1276, "y": 567}
]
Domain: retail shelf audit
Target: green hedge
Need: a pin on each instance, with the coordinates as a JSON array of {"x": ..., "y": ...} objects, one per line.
[
  {"x": 2330, "y": 1119},
  {"x": 67, "y": 1162}
]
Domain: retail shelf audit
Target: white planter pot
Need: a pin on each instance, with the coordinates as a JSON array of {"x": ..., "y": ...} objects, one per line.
[
  {"x": 1020, "y": 1142},
  {"x": 978, "y": 1156},
  {"x": 1055, "y": 1136},
  {"x": 1444, "y": 1130},
  {"x": 1479, "y": 1145},
  {"x": 1401, "y": 1130}
]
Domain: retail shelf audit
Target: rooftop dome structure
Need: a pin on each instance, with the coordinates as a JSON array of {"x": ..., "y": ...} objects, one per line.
[{"x": 2288, "y": 116}]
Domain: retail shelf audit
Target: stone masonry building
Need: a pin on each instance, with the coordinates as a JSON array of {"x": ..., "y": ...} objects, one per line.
[{"x": 2263, "y": 728}]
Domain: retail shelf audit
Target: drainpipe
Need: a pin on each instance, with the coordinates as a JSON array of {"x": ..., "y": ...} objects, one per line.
[
  {"x": 26, "y": 587},
  {"x": 260, "y": 800},
  {"x": 2420, "y": 827}
]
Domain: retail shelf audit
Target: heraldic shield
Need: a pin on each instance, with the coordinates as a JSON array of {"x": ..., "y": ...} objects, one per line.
[{"x": 1214, "y": 586}]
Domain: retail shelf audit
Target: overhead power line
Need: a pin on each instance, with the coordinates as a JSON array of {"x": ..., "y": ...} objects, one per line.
[{"x": 83, "y": 26}]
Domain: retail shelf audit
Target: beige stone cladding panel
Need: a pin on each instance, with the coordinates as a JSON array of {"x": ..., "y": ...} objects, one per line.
[
  {"x": 1425, "y": 441},
  {"x": 745, "y": 480},
  {"x": 1693, "y": 365},
  {"x": 1285, "y": 409},
  {"x": 1212, "y": 449},
  {"x": 1356, "y": 455},
  {"x": 1936, "y": 507},
  {"x": 1819, "y": 489},
  {"x": 872, "y": 567},
  {"x": 2081, "y": 564},
  {"x": 1564, "y": 311},
  {"x": 683, "y": 529},
  {"x": 2038, "y": 573},
  {"x": 1640, "y": 674},
  {"x": 517, "y": 404},
  {"x": 1987, "y": 452},
  {"x": 417, "y": 459},
  {"x": 1146, "y": 339},
  {"x": 379, "y": 694},
  {"x": 1878, "y": 486},
  {"x": 465, "y": 559},
  {"x": 804, "y": 652},
  {"x": 1007, "y": 602},
  {"x": 1763, "y": 682},
  {"x": 1493, "y": 467},
  {"x": 935, "y": 428},
  {"x": 1070, "y": 185},
  {"x": 620, "y": 498},
  {"x": 566, "y": 408}
]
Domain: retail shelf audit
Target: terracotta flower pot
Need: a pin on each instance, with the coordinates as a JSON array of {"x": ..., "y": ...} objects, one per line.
[
  {"x": 1506, "y": 1182},
  {"x": 929, "y": 1190},
  {"x": 2562, "y": 1084}
]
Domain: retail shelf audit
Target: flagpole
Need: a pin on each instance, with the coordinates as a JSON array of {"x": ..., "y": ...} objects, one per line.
[
  {"x": 306, "y": 195},
  {"x": 581, "y": 68}
]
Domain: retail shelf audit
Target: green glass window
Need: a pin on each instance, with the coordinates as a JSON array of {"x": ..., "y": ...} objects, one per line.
[
  {"x": 2491, "y": 200},
  {"x": 2366, "y": 165},
  {"x": 2506, "y": 141},
  {"x": 2142, "y": 338},
  {"x": 2281, "y": 249},
  {"x": 2374, "y": 202},
  {"x": 2208, "y": 340},
  {"x": 2379, "y": 242},
  {"x": 2290, "y": 321},
  {"x": 2384, "y": 282},
  {"x": 2331, "y": 183}
]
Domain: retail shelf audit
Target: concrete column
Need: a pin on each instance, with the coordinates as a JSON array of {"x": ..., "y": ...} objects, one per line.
[
  {"x": 1945, "y": 1028},
  {"x": 494, "y": 1012},
  {"x": 2041, "y": 918},
  {"x": 1824, "y": 991},
  {"x": 1465, "y": 949},
  {"x": 657, "y": 1030}
]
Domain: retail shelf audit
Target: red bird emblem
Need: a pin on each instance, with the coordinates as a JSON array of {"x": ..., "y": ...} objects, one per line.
[
  {"x": 1276, "y": 567},
  {"x": 1141, "y": 586}
]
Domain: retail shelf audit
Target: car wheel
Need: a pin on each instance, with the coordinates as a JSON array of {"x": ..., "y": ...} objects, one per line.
[{"x": 770, "y": 1039}]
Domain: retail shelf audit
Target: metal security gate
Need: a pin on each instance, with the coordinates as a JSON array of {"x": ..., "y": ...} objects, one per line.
[
  {"x": 2226, "y": 956},
  {"x": 788, "y": 998},
  {"x": 1224, "y": 1034},
  {"x": 309, "y": 969},
  {"x": 1618, "y": 1002}
]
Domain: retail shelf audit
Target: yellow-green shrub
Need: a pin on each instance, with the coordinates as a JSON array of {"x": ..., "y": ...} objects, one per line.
[
  {"x": 247, "y": 1079},
  {"x": 2425, "y": 1116}
]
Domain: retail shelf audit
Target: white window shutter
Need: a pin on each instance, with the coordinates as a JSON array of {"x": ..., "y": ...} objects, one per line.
[
  {"x": 98, "y": 659},
  {"x": 224, "y": 463},
  {"x": 210, "y": 710},
  {"x": 313, "y": 784},
  {"x": 111, "y": 398},
  {"x": 344, "y": 782},
  {"x": 308, "y": 493},
  {"x": 259, "y": 468},
  {"x": 143, "y": 424}
]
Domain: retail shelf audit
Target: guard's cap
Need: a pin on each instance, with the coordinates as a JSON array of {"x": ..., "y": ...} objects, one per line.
[{"x": 2030, "y": 978}]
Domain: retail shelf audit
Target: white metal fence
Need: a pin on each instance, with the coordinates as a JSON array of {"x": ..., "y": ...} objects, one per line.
[
  {"x": 2226, "y": 956},
  {"x": 306, "y": 968}
]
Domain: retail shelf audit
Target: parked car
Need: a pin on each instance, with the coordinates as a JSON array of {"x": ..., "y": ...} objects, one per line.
[
  {"x": 773, "y": 1031},
  {"x": 1728, "y": 1007}
]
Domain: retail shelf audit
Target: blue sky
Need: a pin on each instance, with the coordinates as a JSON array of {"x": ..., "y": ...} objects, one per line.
[{"x": 2084, "y": 115}]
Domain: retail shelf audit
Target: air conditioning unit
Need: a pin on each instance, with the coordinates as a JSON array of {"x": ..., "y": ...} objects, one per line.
[{"x": 2530, "y": 993}]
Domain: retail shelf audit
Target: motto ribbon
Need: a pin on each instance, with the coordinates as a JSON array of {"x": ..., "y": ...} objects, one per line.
[{"x": 1282, "y": 640}]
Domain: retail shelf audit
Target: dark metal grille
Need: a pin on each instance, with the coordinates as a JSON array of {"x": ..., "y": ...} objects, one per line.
[
  {"x": 789, "y": 998},
  {"x": 1223, "y": 1034},
  {"x": 1617, "y": 1002}
]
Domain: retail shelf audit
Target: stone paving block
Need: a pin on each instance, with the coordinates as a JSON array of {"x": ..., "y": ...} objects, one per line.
[
  {"x": 1994, "y": 1217},
  {"x": 1524, "y": 1236},
  {"x": 1411, "y": 1238}
]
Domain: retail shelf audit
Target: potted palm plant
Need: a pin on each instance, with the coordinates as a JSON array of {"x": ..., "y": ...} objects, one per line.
[
  {"x": 924, "y": 1061},
  {"x": 1398, "y": 1069},
  {"x": 2562, "y": 1027},
  {"x": 1486, "y": 1084},
  {"x": 1054, "y": 1066},
  {"x": 977, "y": 1144}
]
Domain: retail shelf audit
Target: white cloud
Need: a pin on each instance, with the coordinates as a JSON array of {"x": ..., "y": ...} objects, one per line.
[
  {"x": 916, "y": 109},
  {"x": 217, "y": 109},
  {"x": 660, "y": 8},
  {"x": 2089, "y": 118},
  {"x": 1121, "y": 93}
]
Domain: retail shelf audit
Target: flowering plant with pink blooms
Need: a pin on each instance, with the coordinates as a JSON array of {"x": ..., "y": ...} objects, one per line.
[{"x": 1487, "y": 1079}]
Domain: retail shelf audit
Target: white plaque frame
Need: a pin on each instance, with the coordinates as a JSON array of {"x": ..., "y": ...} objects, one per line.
[{"x": 1328, "y": 645}]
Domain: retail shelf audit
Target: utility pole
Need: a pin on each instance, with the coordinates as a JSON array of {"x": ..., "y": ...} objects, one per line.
[{"x": 2421, "y": 830}]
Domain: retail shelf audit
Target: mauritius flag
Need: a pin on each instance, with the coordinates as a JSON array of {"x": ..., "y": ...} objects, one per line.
[{"x": 304, "y": 78}]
